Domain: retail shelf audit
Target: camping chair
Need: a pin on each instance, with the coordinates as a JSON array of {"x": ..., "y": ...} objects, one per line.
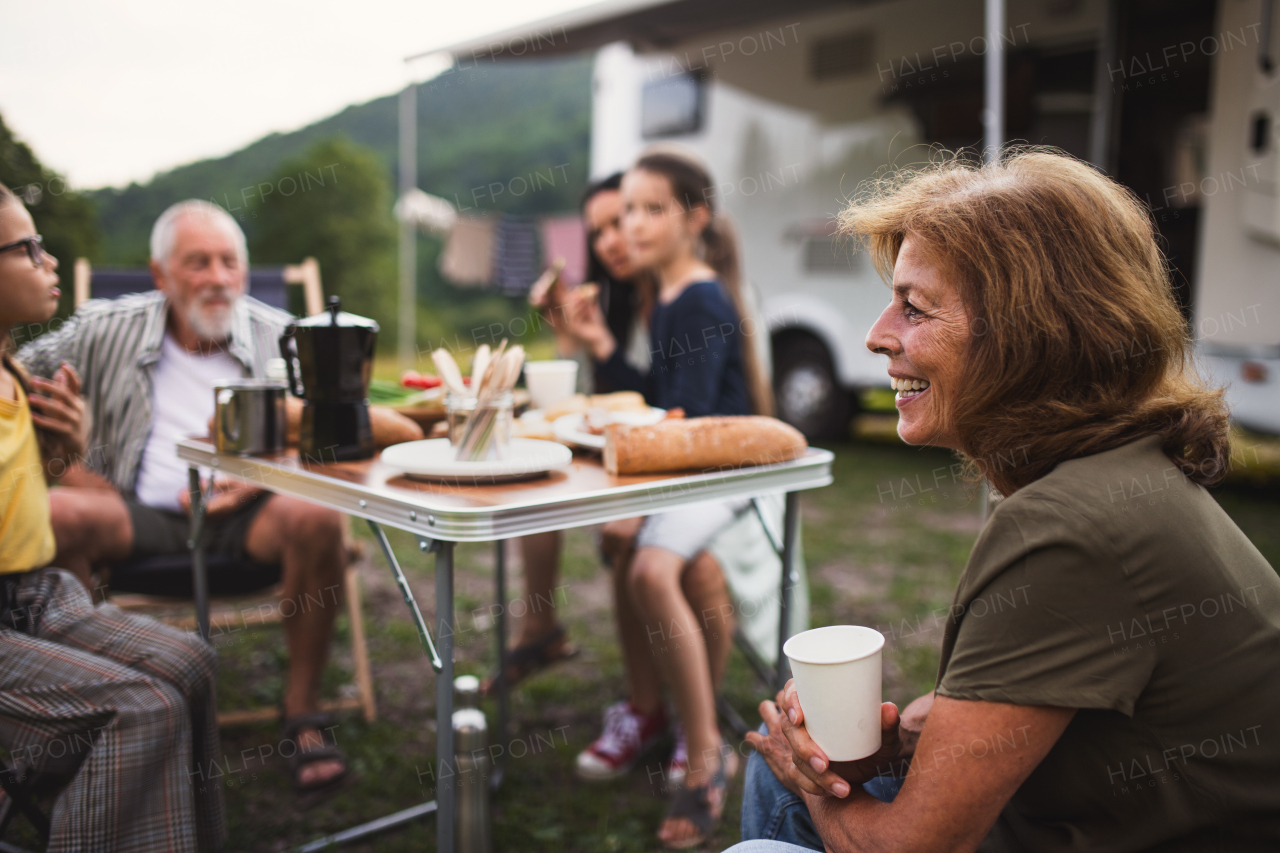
[
  {"x": 21, "y": 787},
  {"x": 267, "y": 284},
  {"x": 245, "y": 594},
  {"x": 25, "y": 789},
  {"x": 786, "y": 544}
]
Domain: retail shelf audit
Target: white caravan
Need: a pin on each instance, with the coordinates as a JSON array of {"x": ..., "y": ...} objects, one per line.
[{"x": 794, "y": 105}]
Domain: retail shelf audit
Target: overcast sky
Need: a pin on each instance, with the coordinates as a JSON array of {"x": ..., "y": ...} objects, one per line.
[{"x": 110, "y": 91}]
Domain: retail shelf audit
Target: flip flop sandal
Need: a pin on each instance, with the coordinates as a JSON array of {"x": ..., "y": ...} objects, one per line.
[
  {"x": 321, "y": 723},
  {"x": 529, "y": 658},
  {"x": 694, "y": 804}
]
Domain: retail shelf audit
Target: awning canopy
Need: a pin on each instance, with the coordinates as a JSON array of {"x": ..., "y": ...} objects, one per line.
[{"x": 649, "y": 25}]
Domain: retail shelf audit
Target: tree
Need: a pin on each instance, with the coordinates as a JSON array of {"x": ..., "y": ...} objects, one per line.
[
  {"x": 66, "y": 219},
  {"x": 332, "y": 203}
]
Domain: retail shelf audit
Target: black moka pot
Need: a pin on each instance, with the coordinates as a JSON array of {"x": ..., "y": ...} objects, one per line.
[{"x": 329, "y": 358}]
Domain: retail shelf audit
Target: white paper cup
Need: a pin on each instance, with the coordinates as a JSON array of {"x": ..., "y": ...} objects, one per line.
[
  {"x": 837, "y": 672},
  {"x": 550, "y": 382}
]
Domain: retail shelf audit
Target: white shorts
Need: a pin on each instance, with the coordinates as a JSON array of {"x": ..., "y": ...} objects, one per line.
[{"x": 690, "y": 529}]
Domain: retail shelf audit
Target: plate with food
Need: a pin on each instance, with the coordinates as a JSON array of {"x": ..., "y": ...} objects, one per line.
[
  {"x": 619, "y": 401},
  {"x": 434, "y": 459},
  {"x": 586, "y": 429},
  {"x": 533, "y": 424}
]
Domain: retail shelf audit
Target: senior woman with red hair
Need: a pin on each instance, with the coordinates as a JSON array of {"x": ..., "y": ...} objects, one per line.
[{"x": 1131, "y": 701}]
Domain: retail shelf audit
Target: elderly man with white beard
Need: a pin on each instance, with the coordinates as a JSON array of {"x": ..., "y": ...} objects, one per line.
[{"x": 149, "y": 363}]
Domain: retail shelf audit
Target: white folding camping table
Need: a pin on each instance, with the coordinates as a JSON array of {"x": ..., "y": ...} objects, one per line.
[{"x": 441, "y": 515}]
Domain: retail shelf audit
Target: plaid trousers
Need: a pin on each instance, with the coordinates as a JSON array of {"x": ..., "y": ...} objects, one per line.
[{"x": 127, "y": 699}]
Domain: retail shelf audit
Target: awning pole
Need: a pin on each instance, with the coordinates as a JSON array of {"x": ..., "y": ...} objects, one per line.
[
  {"x": 1102, "y": 125},
  {"x": 406, "y": 336},
  {"x": 993, "y": 102}
]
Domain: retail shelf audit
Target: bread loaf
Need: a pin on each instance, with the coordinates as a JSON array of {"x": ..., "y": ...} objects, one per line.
[
  {"x": 618, "y": 401},
  {"x": 390, "y": 427},
  {"x": 292, "y": 420},
  {"x": 700, "y": 444},
  {"x": 568, "y": 406}
]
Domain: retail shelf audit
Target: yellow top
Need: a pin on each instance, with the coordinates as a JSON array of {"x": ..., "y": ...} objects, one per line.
[{"x": 26, "y": 534}]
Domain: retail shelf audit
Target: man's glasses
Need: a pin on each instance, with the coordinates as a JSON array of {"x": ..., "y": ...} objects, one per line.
[{"x": 33, "y": 245}]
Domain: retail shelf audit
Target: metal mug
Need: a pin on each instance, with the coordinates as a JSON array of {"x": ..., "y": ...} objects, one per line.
[{"x": 249, "y": 416}]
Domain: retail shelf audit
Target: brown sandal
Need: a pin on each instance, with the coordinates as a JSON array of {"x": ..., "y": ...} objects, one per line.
[
  {"x": 321, "y": 723},
  {"x": 529, "y": 658},
  {"x": 694, "y": 804}
]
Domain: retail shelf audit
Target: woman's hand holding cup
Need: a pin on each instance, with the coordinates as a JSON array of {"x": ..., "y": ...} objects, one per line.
[
  {"x": 838, "y": 669},
  {"x": 826, "y": 778}
]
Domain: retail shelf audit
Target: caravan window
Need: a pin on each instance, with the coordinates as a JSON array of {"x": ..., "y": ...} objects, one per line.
[{"x": 671, "y": 106}]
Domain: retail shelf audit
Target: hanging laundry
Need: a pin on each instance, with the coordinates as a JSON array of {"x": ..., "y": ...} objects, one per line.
[
  {"x": 566, "y": 237},
  {"x": 467, "y": 259},
  {"x": 515, "y": 255}
]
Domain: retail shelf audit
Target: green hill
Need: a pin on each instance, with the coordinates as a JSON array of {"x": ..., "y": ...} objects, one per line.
[{"x": 478, "y": 126}]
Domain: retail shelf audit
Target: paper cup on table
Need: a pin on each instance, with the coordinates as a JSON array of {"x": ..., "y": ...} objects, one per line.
[
  {"x": 837, "y": 672},
  {"x": 550, "y": 382}
]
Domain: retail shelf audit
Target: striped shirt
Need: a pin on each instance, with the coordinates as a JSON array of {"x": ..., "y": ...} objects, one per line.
[{"x": 114, "y": 345}]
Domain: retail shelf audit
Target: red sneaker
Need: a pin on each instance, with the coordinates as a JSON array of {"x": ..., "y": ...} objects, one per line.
[
  {"x": 627, "y": 736},
  {"x": 678, "y": 766}
]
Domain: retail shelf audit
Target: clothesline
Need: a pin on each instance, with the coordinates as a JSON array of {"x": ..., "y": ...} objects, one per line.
[{"x": 508, "y": 251}]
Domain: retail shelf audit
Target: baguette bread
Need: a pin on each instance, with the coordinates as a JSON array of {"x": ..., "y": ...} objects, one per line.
[{"x": 700, "y": 444}]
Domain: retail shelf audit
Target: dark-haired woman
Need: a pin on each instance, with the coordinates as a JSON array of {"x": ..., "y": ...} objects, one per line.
[{"x": 1129, "y": 701}]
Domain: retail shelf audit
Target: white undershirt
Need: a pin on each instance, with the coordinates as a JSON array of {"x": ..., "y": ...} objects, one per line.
[{"x": 181, "y": 406}]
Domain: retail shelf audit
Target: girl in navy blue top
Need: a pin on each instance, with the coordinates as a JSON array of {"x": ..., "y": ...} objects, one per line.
[
  {"x": 700, "y": 347},
  {"x": 696, "y": 356},
  {"x": 702, "y": 361}
]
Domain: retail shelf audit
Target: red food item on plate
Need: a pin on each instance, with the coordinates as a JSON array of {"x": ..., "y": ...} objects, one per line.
[{"x": 414, "y": 379}]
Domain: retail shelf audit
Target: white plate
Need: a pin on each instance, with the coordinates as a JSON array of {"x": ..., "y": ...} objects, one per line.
[
  {"x": 571, "y": 429},
  {"x": 433, "y": 459}
]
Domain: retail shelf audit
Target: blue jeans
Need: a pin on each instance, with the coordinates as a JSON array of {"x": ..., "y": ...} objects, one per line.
[{"x": 774, "y": 820}]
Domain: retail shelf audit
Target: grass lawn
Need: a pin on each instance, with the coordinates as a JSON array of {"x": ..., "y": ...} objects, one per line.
[{"x": 884, "y": 546}]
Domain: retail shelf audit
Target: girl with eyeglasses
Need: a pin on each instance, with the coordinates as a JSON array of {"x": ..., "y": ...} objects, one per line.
[{"x": 66, "y": 665}]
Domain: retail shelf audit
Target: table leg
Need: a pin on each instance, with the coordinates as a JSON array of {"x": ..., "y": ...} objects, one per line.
[
  {"x": 406, "y": 592},
  {"x": 444, "y": 703},
  {"x": 500, "y": 628},
  {"x": 446, "y": 792},
  {"x": 790, "y": 532},
  {"x": 199, "y": 576}
]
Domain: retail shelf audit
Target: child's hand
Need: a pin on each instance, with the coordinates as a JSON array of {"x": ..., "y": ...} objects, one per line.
[{"x": 56, "y": 406}]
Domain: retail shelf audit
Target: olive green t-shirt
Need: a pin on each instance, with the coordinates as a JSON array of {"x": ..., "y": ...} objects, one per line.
[{"x": 1117, "y": 586}]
